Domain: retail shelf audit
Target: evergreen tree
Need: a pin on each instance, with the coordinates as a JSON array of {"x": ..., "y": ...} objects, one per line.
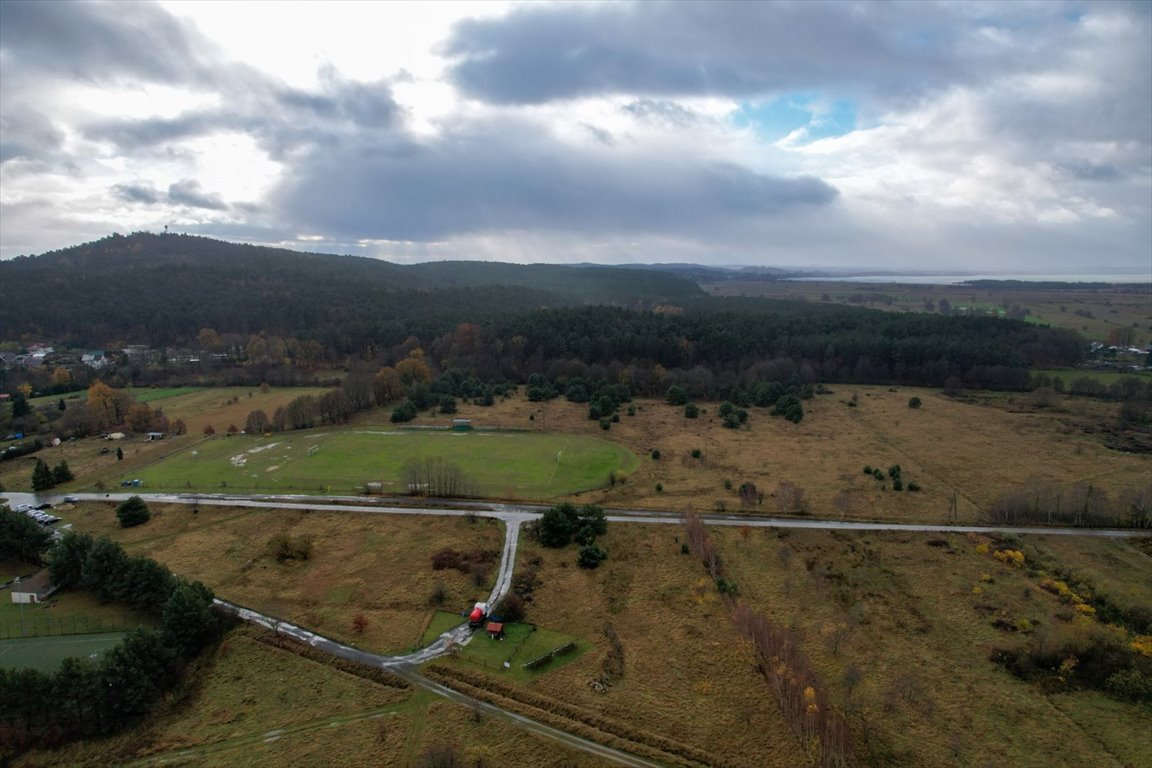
[
  {"x": 133, "y": 511},
  {"x": 188, "y": 620},
  {"x": 42, "y": 478},
  {"x": 61, "y": 473}
]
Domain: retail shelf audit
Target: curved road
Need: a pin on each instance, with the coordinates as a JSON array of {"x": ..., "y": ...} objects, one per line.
[{"x": 513, "y": 517}]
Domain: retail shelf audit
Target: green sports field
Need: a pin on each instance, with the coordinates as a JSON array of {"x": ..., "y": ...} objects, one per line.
[
  {"x": 503, "y": 465},
  {"x": 46, "y": 653}
]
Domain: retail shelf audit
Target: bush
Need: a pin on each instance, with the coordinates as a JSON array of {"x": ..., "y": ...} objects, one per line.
[
  {"x": 511, "y": 608},
  {"x": 591, "y": 556},
  {"x": 132, "y": 512},
  {"x": 913, "y": 487},
  {"x": 284, "y": 548},
  {"x": 867, "y": 469},
  {"x": 691, "y": 411},
  {"x": 696, "y": 453},
  {"x": 914, "y": 402},
  {"x": 406, "y": 411},
  {"x": 656, "y": 454},
  {"x": 659, "y": 487}
]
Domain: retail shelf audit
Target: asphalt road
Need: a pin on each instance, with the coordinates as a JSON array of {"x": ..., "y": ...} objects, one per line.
[{"x": 513, "y": 517}]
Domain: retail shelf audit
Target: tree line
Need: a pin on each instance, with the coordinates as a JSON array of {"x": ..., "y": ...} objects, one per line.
[{"x": 86, "y": 698}]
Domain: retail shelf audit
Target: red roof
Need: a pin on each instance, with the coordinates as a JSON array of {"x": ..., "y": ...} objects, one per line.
[{"x": 495, "y": 626}]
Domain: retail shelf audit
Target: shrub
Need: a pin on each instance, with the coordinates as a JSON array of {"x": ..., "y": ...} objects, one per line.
[
  {"x": 656, "y": 454},
  {"x": 691, "y": 411},
  {"x": 284, "y": 548},
  {"x": 605, "y": 424},
  {"x": 913, "y": 487},
  {"x": 511, "y": 607},
  {"x": 406, "y": 411},
  {"x": 914, "y": 402},
  {"x": 132, "y": 512},
  {"x": 659, "y": 487},
  {"x": 591, "y": 556},
  {"x": 867, "y": 469},
  {"x": 696, "y": 453}
]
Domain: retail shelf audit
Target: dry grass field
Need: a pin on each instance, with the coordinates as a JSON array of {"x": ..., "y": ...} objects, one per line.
[
  {"x": 376, "y": 565},
  {"x": 254, "y": 705},
  {"x": 687, "y": 675},
  {"x": 976, "y": 449},
  {"x": 927, "y": 693}
]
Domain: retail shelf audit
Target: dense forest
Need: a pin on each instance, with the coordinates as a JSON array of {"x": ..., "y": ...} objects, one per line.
[{"x": 274, "y": 315}]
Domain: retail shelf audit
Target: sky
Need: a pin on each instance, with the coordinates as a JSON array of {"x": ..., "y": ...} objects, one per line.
[{"x": 927, "y": 136}]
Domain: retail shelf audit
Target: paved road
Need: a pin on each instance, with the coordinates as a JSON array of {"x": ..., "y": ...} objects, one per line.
[
  {"x": 518, "y": 514},
  {"x": 513, "y": 517}
]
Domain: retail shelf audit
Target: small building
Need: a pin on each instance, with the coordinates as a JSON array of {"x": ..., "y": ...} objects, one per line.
[
  {"x": 461, "y": 425},
  {"x": 155, "y": 436},
  {"x": 495, "y": 630},
  {"x": 34, "y": 589}
]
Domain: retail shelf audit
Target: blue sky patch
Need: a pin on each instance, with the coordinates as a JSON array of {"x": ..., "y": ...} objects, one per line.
[{"x": 775, "y": 119}]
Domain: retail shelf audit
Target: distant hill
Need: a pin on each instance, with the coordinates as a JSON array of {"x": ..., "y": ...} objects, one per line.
[{"x": 162, "y": 288}]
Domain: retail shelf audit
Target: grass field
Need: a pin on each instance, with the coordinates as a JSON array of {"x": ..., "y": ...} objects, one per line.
[
  {"x": 976, "y": 448},
  {"x": 65, "y": 613},
  {"x": 152, "y": 395},
  {"x": 46, "y": 653},
  {"x": 521, "y": 644},
  {"x": 1103, "y": 376},
  {"x": 687, "y": 676},
  {"x": 927, "y": 693},
  {"x": 251, "y": 705},
  {"x": 377, "y": 565},
  {"x": 93, "y": 460},
  {"x": 508, "y": 465}
]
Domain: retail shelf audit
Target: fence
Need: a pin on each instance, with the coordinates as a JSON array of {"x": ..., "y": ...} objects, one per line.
[{"x": 51, "y": 626}]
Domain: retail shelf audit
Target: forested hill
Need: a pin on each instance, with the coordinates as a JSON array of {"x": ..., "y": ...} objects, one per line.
[{"x": 163, "y": 288}]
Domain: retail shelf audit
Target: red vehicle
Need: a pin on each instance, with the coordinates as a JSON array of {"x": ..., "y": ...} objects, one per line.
[{"x": 478, "y": 614}]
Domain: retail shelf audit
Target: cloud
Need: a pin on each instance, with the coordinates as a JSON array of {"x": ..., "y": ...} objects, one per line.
[
  {"x": 28, "y": 134},
  {"x": 539, "y": 53},
  {"x": 136, "y": 193},
  {"x": 103, "y": 41},
  {"x": 189, "y": 193},
  {"x": 510, "y": 175},
  {"x": 281, "y": 118}
]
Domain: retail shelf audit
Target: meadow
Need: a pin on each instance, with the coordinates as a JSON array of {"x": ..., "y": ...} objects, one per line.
[
  {"x": 375, "y": 566},
  {"x": 254, "y": 704},
  {"x": 507, "y": 465}
]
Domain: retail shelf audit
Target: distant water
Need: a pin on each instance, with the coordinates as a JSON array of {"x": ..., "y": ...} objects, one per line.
[{"x": 955, "y": 279}]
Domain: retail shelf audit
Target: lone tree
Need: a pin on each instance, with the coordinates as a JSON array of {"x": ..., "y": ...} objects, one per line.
[
  {"x": 132, "y": 512},
  {"x": 42, "y": 476}
]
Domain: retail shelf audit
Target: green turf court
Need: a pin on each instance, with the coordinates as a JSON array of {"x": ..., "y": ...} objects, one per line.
[
  {"x": 46, "y": 653},
  {"x": 504, "y": 465}
]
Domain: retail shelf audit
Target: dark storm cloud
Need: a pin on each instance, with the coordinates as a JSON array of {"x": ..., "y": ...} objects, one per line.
[
  {"x": 505, "y": 176},
  {"x": 97, "y": 41},
  {"x": 136, "y": 193},
  {"x": 189, "y": 193},
  {"x": 539, "y": 53}
]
